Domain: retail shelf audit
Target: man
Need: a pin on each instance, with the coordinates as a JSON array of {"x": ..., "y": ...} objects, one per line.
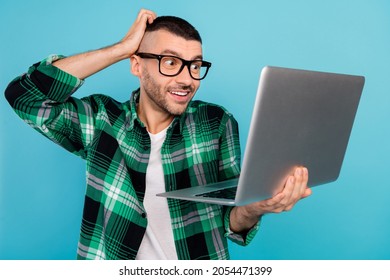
[{"x": 158, "y": 140}]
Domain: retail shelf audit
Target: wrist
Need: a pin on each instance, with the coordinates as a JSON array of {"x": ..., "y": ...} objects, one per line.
[
  {"x": 242, "y": 219},
  {"x": 122, "y": 51}
]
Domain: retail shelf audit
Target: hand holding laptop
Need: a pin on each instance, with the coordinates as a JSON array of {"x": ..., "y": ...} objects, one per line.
[{"x": 245, "y": 217}]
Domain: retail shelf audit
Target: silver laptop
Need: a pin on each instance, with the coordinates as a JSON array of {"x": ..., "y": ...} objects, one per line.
[{"x": 300, "y": 118}]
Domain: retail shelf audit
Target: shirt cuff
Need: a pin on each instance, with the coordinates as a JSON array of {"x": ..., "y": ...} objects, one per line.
[
  {"x": 56, "y": 84},
  {"x": 241, "y": 239}
]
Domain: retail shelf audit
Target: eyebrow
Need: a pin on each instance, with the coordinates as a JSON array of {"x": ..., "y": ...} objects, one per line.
[{"x": 174, "y": 53}]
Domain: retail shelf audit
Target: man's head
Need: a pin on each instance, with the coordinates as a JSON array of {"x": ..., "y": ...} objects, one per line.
[{"x": 168, "y": 43}]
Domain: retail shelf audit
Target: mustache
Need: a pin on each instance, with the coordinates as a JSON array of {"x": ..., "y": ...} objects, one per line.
[{"x": 181, "y": 88}]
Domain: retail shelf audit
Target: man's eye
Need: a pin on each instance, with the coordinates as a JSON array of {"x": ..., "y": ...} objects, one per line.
[
  {"x": 170, "y": 62},
  {"x": 195, "y": 66}
]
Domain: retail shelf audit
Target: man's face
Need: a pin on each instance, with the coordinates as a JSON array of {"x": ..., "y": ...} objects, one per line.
[{"x": 167, "y": 94}]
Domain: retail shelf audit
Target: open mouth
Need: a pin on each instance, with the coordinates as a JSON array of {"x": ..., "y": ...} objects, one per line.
[{"x": 180, "y": 93}]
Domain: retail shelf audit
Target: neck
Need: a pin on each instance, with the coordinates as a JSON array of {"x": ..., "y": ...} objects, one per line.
[{"x": 154, "y": 120}]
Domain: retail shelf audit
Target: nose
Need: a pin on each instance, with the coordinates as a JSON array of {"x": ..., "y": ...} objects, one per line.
[{"x": 184, "y": 76}]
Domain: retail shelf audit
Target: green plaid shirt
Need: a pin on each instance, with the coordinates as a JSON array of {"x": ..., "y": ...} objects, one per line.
[{"x": 202, "y": 146}]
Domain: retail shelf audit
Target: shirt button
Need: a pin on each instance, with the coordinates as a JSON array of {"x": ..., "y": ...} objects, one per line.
[{"x": 143, "y": 215}]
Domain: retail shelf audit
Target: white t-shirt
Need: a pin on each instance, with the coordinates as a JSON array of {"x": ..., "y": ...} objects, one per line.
[{"x": 158, "y": 243}]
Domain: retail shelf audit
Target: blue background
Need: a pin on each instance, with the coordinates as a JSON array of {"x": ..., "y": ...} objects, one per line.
[{"x": 42, "y": 186}]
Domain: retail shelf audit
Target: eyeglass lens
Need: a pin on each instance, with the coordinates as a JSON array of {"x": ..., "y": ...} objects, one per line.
[{"x": 172, "y": 66}]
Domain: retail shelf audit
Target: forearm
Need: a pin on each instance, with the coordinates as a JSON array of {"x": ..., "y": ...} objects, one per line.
[{"x": 86, "y": 64}]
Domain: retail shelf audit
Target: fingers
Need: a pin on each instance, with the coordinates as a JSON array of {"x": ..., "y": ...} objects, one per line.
[
  {"x": 307, "y": 192},
  {"x": 145, "y": 15},
  {"x": 132, "y": 40},
  {"x": 295, "y": 189},
  {"x": 296, "y": 184}
]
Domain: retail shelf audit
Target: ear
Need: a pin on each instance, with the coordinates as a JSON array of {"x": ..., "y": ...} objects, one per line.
[{"x": 135, "y": 66}]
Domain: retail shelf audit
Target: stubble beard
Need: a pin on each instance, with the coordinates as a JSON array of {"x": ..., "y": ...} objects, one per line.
[{"x": 158, "y": 95}]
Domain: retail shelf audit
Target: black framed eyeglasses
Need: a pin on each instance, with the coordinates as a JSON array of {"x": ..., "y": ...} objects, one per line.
[{"x": 171, "y": 66}]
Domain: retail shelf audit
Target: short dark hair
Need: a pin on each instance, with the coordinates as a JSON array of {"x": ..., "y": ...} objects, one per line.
[{"x": 175, "y": 25}]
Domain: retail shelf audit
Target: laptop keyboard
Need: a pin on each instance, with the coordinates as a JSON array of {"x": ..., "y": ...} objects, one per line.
[{"x": 228, "y": 193}]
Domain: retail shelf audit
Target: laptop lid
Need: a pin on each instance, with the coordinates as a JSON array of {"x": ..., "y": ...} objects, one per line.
[{"x": 300, "y": 118}]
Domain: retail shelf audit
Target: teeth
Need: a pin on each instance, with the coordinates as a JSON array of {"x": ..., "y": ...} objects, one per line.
[{"x": 179, "y": 93}]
